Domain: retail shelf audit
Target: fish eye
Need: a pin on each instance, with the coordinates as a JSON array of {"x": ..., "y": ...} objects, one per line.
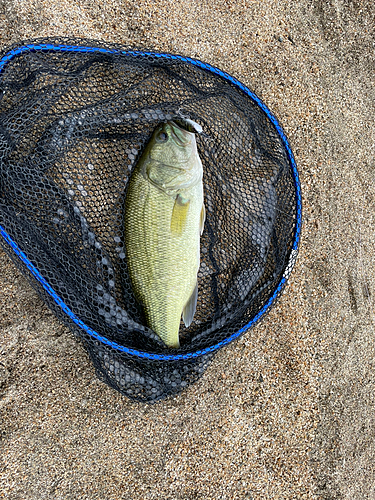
[{"x": 163, "y": 136}]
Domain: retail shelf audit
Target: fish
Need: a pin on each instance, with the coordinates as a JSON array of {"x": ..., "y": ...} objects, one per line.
[{"x": 163, "y": 220}]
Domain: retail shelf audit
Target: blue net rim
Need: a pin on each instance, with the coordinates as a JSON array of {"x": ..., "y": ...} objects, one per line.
[{"x": 49, "y": 47}]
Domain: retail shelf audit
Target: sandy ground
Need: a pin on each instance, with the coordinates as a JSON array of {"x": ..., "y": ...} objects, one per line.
[{"x": 287, "y": 412}]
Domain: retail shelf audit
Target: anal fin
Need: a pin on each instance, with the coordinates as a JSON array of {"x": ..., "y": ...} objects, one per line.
[{"x": 190, "y": 307}]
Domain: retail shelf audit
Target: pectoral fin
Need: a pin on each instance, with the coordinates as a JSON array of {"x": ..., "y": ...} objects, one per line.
[
  {"x": 179, "y": 214},
  {"x": 203, "y": 219},
  {"x": 190, "y": 307}
]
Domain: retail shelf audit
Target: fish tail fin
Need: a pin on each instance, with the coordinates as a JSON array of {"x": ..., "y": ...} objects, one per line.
[
  {"x": 173, "y": 343},
  {"x": 171, "y": 338},
  {"x": 167, "y": 329}
]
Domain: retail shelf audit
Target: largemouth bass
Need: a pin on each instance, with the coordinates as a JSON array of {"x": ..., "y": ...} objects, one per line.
[{"x": 164, "y": 218}]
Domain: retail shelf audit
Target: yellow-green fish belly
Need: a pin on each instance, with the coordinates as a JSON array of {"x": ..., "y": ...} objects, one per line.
[{"x": 163, "y": 263}]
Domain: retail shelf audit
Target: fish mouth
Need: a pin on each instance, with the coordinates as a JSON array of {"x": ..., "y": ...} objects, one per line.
[
  {"x": 181, "y": 135},
  {"x": 174, "y": 172},
  {"x": 188, "y": 125},
  {"x": 182, "y": 138}
]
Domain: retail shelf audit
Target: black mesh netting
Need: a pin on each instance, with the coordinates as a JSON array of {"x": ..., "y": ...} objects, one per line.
[{"x": 74, "y": 119}]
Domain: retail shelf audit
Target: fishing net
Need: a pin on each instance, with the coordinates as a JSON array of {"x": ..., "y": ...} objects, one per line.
[{"x": 75, "y": 117}]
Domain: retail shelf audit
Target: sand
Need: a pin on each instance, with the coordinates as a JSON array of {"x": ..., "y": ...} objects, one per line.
[{"x": 286, "y": 412}]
